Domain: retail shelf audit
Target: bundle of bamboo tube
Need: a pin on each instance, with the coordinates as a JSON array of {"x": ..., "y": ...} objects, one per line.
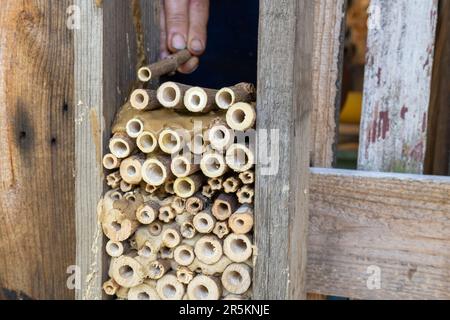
[{"x": 179, "y": 214}]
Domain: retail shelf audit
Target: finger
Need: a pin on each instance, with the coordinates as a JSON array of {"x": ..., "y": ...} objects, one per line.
[
  {"x": 198, "y": 23},
  {"x": 177, "y": 24},
  {"x": 163, "y": 51},
  {"x": 189, "y": 66}
]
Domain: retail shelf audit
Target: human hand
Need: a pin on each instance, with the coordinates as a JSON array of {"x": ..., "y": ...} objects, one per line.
[{"x": 184, "y": 26}]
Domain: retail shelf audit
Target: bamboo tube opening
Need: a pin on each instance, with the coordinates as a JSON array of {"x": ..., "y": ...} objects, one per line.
[
  {"x": 170, "y": 141},
  {"x": 134, "y": 127},
  {"x": 111, "y": 162},
  {"x": 121, "y": 146},
  {"x": 204, "y": 288},
  {"x": 169, "y": 95},
  {"x": 110, "y": 287},
  {"x": 143, "y": 292},
  {"x": 125, "y": 186},
  {"x": 131, "y": 170},
  {"x": 246, "y": 195},
  {"x": 146, "y": 251},
  {"x": 181, "y": 167},
  {"x": 171, "y": 238},
  {"x": 221, "y": 229},
  {"x": 241, "y": 116},
  {"x": 166, "y": 253},
  {"x": 225, "y": 98},
  {"x": 187, "y": 230},
  {"x": 157, "y": 269},
  {"x": 184, "y": 275},
  {"x": 237, "y": 248},
  {"x": 240, "y": 158},
  {"x": 147, "y": 213},
  {"x": 179, "y": 204},
  {"x": 215, "y": 183},
  {"x": 213, "y": 165},
  {"x": 208, "y": 249},
  {"x": 114, "y": 248},
  {"x": 237, "y": 278},
  {"x": 204, "y": 222},
  {"x": 196, "y": 99},
  {"x": 198, "y": 144},
  {"x": 247, "y": 177},
  {"x": 186, "y": 187},
  {"x": 126, "y": 272},
  {"x": 184, "y": 255},
  {"x": 169, "y": 288},
  {"x": 155, "y": 229},
  {"x": 220, "y": 137},
  {"x": 145, "y": 74},
  {"x": 147, "y": 142},
  {"x": 154, "y": 172}
]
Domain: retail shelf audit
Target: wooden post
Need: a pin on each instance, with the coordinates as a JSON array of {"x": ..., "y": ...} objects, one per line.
[
  {"x": 284, "y": 104},
  {"x": 36, "y": 162},
  {"x": 113, "y": 41},
  {"x": 397, "y": 85}
]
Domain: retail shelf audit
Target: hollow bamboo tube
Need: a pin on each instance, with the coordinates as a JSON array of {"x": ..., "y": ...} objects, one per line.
[
  {"x": 151, "y": 189},
  {"x": 116, "y": 248},
  {"x": 240, "y": 158},
  {"x": 182, "y": 166},
  {"x": 166, "y": 253},
  {"x": 111, "y": 162},
  {"x": 219, "y": 135},
  {"x": 187, "y": 187},
  {"x": 184, "y": 275},
  {"x": 113, "y": 180},
  {"x": 216, "y": 184},
  {"x": 147, "y": 252},
  {"x": 156, "y": 170},
  {"x": 213, "y": 165},
  {"x": 238, "y": 247},
  {"x": 171, "y": 140},
  {"x": 247, "y": 177},
  {"x": 197, "y": 99},
  {"x": 148, "y": 212},
  {"x": 144, "y": 100},
  {"x": 237, "y": 278},
  {"x": 198, "y": 145},
  {"x": 178, "y": 204},
  {"x": 196, "y": 203},
  {"x": 242, "y": 92},
  {"x": 163, "y": 67},
  {"x": 204, "y": 288},
  {"x": 125, "y": 186},
  {"x": 121, "y": 145},
  {"x": 207, "y": 191},
  {"x": 169, "y": 288},
  {"x": 210, "y": 269},
  {"x": 171, "y": 237},
  {"x": 246, "y": 195},
  {"x": 221, "y": 229},
  {"x": 147, "y": 142},
  {"x": 116, "y": 227},
  {"x": 143, "y": 292},
  {"x": 208, "y": 249},
  {"x": 241, "y": 222},
  {"x": 128, "y": 272},
  {"x": 231, "y": 185},
  {"x": 157, "y": 269},
  {"x": 166, "y": 214},
  {"x": 131, "y": 169},
  {"x": 204, "y": 222},
  {"x": 184, "y": 255},
  {"x": 224, "y": 206},
  {"x": 155, "y": 228},
  {"x": 187, "y": 229},
  {"x": 134, "y": 127},
  {"x": 168, "y": 187},
  {"x": 171, "y": 95},
  {"x": 241, "y": 116},
  {"x": 110, "y": 287}
]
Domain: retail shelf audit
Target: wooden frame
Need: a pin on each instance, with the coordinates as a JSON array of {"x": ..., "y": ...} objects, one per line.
[{"x": 356, "y": 219}]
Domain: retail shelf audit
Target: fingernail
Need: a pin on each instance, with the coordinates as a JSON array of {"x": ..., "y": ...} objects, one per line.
[
  {"x": 196, "y": 45},
  {"x": 178, "y": 42}
]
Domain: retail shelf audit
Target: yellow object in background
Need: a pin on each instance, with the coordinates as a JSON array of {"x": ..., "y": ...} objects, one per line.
[{"x": 351, "y": 113}]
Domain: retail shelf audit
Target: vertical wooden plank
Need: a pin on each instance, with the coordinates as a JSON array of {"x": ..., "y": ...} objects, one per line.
[
  {"x": 37, "y": 242},
  {"x": 329, "y": 34},
  {"x": 397, "y": 85},
  {"x": 438, "y": 146},
  {"x": 106, "y": 61},
  {"x": 284, "y": 90}
]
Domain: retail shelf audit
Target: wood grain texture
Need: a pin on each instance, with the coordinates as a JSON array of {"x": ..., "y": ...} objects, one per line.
[
  {"x": 37, "y": 240},
  {"x": 284, "y": 90},
  {"x": 107, "y": 56},
  {"x": 329, "y": 35},
  {"x": 399, "y": 223},
  {"x": 397, "y": 85},
  {"x": 438, "y": 145}
]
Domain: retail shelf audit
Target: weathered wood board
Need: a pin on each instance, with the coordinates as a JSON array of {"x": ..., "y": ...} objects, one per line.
[
  {"x": 363, "y": 222},
  {"x": 397, "y": 85},
  {"x": 284, "y": 104}
]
